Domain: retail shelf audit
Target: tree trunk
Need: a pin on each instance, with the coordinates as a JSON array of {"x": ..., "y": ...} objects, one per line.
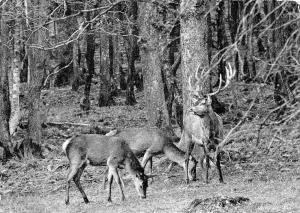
[
  {"x": 5, "y": 141},
  {"x": 247, "y": 50},
  {"x": 89, "y": 56},
  {"x": 271, "y": 35},
  {"x": 221, "y": 38},
  {"x": 105, "y": 97},
  {"x": 233, "y": 25},
  {"x": 15, "y": 75},
  {"x": 279, "y": 76},
  {"x": 111, "y": 56},
  {"x": 170, "y": 70},
  {"x": 193, "y": 45},
  {"x": 172, "y": 88},
  {"x": 26, "y": 9},
  {"x": 222, "y": 42},
  {"x": 37, "y": 62},
  {"x": 151, "y": 54},
  {"x": 132, "y": 50},
  {"x": 76, "y": 74}
]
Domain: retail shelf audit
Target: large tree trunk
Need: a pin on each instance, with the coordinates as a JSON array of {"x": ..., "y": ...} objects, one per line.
[
  {"x": 14, "y": 77},
  {"x": 5, "y": 142},
  {"x": 193, "y": 45},
  {"x": 37, "y": 62},
  {"x": 151, "y": 54}
]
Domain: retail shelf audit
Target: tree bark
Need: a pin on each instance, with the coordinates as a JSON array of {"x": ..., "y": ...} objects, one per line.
[
  {"x": 37, "y": 58},
  {"x": 76, "y": 74},
  {"x": 221, "y": 38},
  {"x": 132, "y": 53},
  {"x": 105, "y": 97},
  {"x": 233, "y": 25},
  {"x": 193, "y": 46},
  {"x": 5, "y": 140},
  {"x": 89, "y": 56},
  {"x": 15, "y": 74},
  {"x": 151, "y": 54}
]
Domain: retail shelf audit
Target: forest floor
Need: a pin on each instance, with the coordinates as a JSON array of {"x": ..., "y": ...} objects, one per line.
[{"x": 260, "y": 175}]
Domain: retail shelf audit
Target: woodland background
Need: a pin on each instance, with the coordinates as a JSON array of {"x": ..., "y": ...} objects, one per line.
[{"x": 71, "y": 67}]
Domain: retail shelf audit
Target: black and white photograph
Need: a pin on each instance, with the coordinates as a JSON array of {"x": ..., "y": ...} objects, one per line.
[{"x": 149, "y": 106}]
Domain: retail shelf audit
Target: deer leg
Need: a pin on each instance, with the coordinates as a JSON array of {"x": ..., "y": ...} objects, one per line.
[
  {"x": 151, "y": 164},
  {"x": 105, "y": 177},
  {"x": 219, "y": 168},
  {"x": 148, "y": 155},
  {"x": 187, "y": 156},
  {"x": 110, "y": 180},
  {"x": 67, "y": 199},
  {"x": 73, "y": 170},
  {"x": 76, "y": 179},
  {"x": 118, "y": 181},
  {"x": 202, "y": 160},
  {"x": 207, "y": 167}
]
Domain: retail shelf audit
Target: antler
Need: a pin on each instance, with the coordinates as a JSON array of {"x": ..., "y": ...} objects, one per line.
[
  {"x": 198, "y": 79},
  {"x": 230, "y": 73}
]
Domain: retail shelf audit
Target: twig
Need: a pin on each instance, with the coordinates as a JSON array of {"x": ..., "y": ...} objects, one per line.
[
  {"x": 226, "y": 139},
  {"x": 67, "y": 123},
  {"x": 54, "y": 73}
]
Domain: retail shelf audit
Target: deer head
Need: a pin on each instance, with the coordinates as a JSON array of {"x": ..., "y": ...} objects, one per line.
[
  {"x": 200, "y": 102},
  {"x": 141, "y": 183}
]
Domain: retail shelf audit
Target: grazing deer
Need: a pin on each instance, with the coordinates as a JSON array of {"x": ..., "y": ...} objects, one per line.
[
  {"x": 151, "y": 142},
  {"x": 201, "y": 125},
  {"x": 99, "y": 150}
]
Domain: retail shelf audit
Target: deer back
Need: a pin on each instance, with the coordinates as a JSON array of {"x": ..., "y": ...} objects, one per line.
[
  {"x": 140, "y": 139},
  {"x": 97, "y": 148}
]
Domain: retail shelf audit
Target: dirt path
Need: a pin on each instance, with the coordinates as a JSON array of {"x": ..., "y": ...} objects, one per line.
[{"x": 270, "y": 192}]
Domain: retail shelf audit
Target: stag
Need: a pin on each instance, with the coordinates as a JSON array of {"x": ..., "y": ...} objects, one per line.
[{"x": 201, "y": 125}]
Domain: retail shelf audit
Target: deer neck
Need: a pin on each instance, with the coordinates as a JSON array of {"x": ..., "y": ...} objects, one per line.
[
  {"x": 174, "y": 154},
  {"x": 132, "y": 165}
]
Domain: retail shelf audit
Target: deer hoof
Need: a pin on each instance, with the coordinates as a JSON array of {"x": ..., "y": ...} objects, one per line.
[{"x": 86, "y": 200}]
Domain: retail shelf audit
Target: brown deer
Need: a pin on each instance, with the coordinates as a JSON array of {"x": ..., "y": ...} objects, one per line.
[
  {"x": 99, "y": 150},
  {"x": 152, "y": 141},
  {"x": 201, "y": 125}
]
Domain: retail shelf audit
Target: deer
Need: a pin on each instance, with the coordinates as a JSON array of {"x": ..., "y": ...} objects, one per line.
[
  {"x": 201, "y": 125},
  {"x": 100, "y": 150},
  {"x": 150, "y": 142}
]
